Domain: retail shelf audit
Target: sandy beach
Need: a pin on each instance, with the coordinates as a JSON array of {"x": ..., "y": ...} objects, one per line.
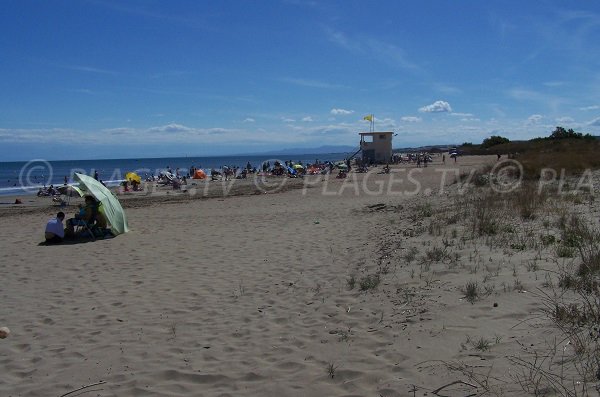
[{"x": 325, "y": 287}]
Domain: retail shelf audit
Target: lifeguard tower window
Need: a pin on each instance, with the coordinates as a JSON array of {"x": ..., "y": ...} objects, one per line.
[
  {"x": 367, "y": 138},
  {"x": 382, "y": 136}
]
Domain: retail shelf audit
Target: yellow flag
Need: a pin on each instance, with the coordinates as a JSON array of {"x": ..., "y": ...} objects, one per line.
[{"x": 368, "y": 118}]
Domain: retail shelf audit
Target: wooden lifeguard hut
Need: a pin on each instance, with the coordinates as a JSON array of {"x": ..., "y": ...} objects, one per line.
[{"x": 376, "y": 146}]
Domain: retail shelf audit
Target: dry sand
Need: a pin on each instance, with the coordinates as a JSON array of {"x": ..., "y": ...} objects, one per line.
[{"x": 249, "y": 295}]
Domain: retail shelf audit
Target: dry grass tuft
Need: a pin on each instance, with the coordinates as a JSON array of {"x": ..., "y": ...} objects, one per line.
[{"x": 369, "y": 282}]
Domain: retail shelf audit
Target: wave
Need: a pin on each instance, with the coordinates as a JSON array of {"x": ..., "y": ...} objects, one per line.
[{"x": 33, "y": 189}]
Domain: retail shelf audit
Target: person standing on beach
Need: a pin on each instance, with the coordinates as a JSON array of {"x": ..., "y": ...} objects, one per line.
[{"x": 96, "y": 174}]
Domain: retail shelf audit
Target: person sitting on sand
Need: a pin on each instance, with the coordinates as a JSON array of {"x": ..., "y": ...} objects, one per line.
[
  {"x": 88, "y": 214},
  {"x": 55, "y": 231},
  {"x": 214, "y": 174},
  {"x": 341, "y": 174}
]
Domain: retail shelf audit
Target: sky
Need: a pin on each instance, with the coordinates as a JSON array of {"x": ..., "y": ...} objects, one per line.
[{"x": 112, "y": 79}]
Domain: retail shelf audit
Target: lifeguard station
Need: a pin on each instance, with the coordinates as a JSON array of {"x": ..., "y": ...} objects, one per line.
[{"x": 376, "y": 147}]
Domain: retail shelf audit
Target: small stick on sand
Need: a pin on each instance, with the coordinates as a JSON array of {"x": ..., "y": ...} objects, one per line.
[
  {"x": 83, "y": 387},
  {"x": 436, "y": 391}
]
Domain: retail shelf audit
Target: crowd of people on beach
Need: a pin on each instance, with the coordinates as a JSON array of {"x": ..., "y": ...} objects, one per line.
[
  {"x": 179, "y": 177},
  {"x": 292, "y": 169},
  {"x": 289, "y": 168},
  {"x": 419, "y": 158}
]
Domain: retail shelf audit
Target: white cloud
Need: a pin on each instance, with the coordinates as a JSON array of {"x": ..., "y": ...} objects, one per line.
[
  {"x": 386, "y": 123},
  {"x": 287, "y": 120},
  {"x": 565, "y": 119},
  {"x": 42, "y": 135},
  {"x": 249, "y": 120},
  {"x": 534, "y": 119},
  {"x": 593, "y": 107},
  {"x": 307, "y": 119},
  {"x": 340, "y": 39},
  {"x": 119, "y": 131},
  {"x": 388, "y": 52},
  {"x": 89, "y": 69},
  {"x": 436, "y": 107},
  {"x": 216, "y": 131},
  {"x": 595, "y": 122},
  {"x": 170, "y": 128},
  {"x": 469, "y": 115},
  {"x": 169, "y": 134},
  {"x": 336, "y": 111},
  {"x": 522, "y": 94},
  {"x": 411, "y": 119},
  {"x": 373, "y": 49},
  {"x": 334, "y": 130}
]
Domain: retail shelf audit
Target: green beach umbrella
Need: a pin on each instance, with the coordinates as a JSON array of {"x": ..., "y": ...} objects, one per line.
[{"x": 111, "y": 207}]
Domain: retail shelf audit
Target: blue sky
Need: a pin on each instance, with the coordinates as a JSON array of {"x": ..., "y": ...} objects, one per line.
[{"x": 104, "y": 78}]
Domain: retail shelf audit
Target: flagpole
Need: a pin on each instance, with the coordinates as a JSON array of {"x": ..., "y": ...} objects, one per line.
[{"x": 372, "y": 123}]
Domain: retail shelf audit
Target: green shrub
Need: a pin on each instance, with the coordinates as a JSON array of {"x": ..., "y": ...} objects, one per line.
[
  {"x": 471, "y": 291},
  {"x": 368, "y": 282}
]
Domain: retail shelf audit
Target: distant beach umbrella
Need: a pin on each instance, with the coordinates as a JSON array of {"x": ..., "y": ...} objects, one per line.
[
  {"x": 133, "y": 177},
  {"x": 199, "y": 174}
]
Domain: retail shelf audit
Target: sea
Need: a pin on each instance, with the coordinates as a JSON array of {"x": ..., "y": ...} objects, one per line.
[{"x": 26, "y": 177}]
